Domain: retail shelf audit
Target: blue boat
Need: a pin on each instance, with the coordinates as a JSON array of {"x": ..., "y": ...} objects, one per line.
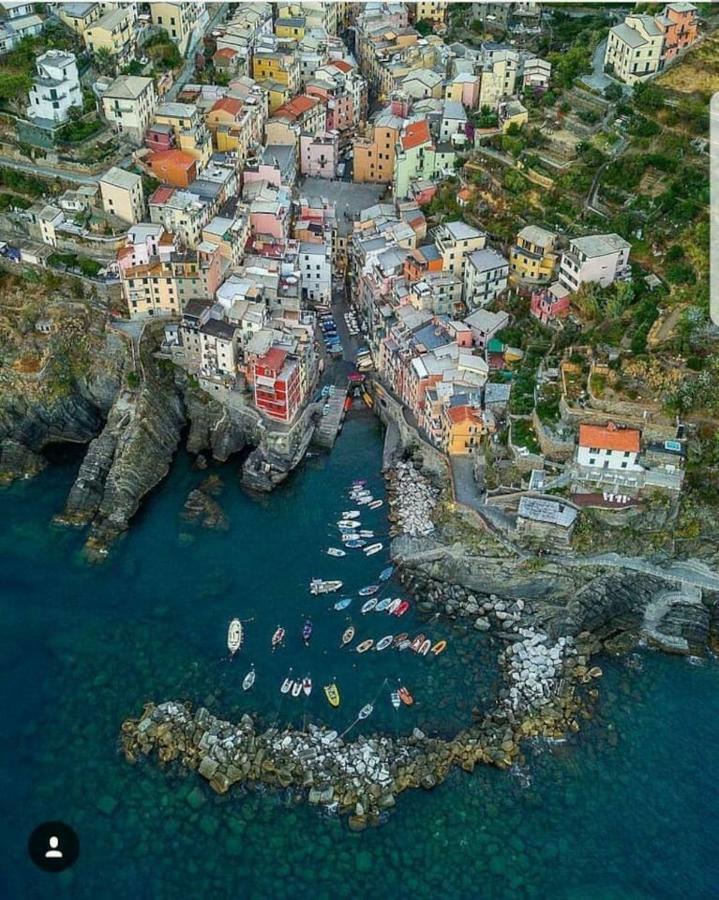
[
  {"x": 386, "y": 574},
  {"x": 354, "y": 545},
  {"x": 344, "y": 603}
]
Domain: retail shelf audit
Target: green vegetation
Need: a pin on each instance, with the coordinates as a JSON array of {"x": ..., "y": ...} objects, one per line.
[
  {"x": 73, "y": 132},
  {"x": 523, "y": 435},
  {"x": 133, "y": 380},
  {"x": 71, "y": 261},
  {"x": 21, "y": 183},
  {"x": 485, "y": 118},
  {"x": 424, "y": 27},
  {"x": 163, "y": 52}
]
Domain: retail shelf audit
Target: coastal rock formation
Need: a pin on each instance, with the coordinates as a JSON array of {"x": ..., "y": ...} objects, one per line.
[
  {"x": 202, "y": 508},
  {"x": 412, "y": 499},
  {"x": 215, "y": 428}
]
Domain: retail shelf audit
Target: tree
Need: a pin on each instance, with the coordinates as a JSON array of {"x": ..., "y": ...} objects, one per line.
[
  {"x": 75, "y": 113},
  {"x": 424, "y": 27},
  {"x": 104, "y": 61},
  {"x": 14, "y": 86},
  {"x": 613, "y": 92},
  {"x": 647, "y": 96}
]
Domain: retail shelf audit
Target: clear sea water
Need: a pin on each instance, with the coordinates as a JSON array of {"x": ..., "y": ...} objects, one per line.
[{"x": 625, "y": 809}]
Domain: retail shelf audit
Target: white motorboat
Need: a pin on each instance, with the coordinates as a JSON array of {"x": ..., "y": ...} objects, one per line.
[
  {"x": 248, "y": 680},
  {"x": 234, "y": 636},
  {"x": 351, "y": 514},
  {"x": 287, "y": 684},
  {"x": 394, "y": 697},
  {"x": 307, "y": 685},
  {"x": 365, "y": 533},
  {"x": 366, "y": 711},
  {"x": 318, "y": 586},
  {"x": 394, "y": 605},
  {"x": 297, "y": 688},
  {"x": 348, "y": 523},
  {"x": 334, "y": 551}
]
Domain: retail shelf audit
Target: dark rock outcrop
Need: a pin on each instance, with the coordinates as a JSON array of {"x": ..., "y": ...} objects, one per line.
[{"x": 202, "y": 508}]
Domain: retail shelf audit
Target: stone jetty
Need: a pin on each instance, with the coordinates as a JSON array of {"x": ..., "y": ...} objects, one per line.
[{"x": 412, "y": 499}]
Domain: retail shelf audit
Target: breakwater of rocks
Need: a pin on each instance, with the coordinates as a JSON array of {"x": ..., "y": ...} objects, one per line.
[{"x": 412, "y": 500}]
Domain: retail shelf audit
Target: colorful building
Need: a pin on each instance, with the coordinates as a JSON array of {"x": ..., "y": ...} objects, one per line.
[
  {"x": 534, "y": 258},
  {"x": 175, "y": 167},
  {"x": 276, "y": 380}
]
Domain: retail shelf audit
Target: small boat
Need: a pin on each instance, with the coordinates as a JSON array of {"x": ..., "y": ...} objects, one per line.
[
  {"x": 365, "y": 645},
  {"x": 351, "y": 514},
  {"x": 417, "y": 643},
  {"x": 307, "y": 685},
  {"x": 348, "y": 536},
  {"x": 369, "y": 605},
  {"x": 318, "y": 586},
  {"x": 373, "y": 548},
  {"x": 234, "y": 636},
  {"x": 384, "y": 642},
  {"x": 386, "y": 574},
  {"x": 297, "y": 688},
  {"x": 394, "y": 697},
  {"x": 366, "y": 711},
  {"x": 348, "y": 523},
  {"x": 364, "y": 501},
  {"x": 405, "y": 696},
  {"x": 405, "y": 644},
  {"x": 334, "y": 551},
  {"x": 278, "y": 638},
  {"x": 333, "y": 695},
  {"x": 402, "y": 608},
  {"x": 375, "y": 504},
  {"x": 424, "y": 647},
  {"x": 365, "y": 533},
  {"x": 358, "y": 482},
  {"x": 394, "y": 606},
  {"x": 369, "y": 590},
  {"x": 343, "y": 603},
  {"x": 287, "y": 684},
  {"x": 347, "y": 635},
  {"x": 439, "y": 647},
  {"x": 383, "y": 605},
  {"x": 355, "y": 545},
  {"x": 399, "y": 638},
  {"x": 361, "y": 491},
  {"x": 307, "y": 632},
  {"x": 248, "y": 680}
]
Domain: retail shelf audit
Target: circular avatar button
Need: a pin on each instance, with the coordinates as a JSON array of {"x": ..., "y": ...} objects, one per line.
[{"x": 53, "y": 846}]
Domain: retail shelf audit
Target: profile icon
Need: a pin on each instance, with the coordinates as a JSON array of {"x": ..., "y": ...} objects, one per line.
[{"x": 53, "y": 846}]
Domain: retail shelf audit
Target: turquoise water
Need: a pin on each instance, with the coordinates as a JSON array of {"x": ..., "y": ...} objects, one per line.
[{"x": 625, "y": 809}]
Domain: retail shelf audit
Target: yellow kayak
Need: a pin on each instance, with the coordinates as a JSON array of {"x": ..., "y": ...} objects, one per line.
[{"x": 333, "y": 695}]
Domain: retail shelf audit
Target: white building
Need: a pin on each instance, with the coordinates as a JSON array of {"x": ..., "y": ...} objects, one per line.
[
  {"x": 217, "y": 348},
  {"x": 56, "y": 87},
  {"x": 453, "y": 123},
  {"x": 485, "y": 277},
  {"x": 598, "y": 258},
  {"x": 50, "y": 218},
  {"x": 485, "y": 324},
  {"x": 609, "y": 448},
  {"x": 316, "y": 271},
  {"x": 129, "y": 104},
  {"x": 536, "y": 72}
]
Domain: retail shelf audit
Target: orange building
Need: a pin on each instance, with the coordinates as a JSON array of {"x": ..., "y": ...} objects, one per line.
[
  {"x": 421, "y": 262},
  {"x": 174, "y": 167},
  {"x": 679, "y": 23},
  {"x": 373, "y": 158}
]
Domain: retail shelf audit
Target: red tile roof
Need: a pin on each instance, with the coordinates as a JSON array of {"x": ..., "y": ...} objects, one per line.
[
  {"x": 342, "y": 65},
  {"x": 415, "y": 134},
  {"x": 162, "y": 194},
  {"x": 609, "y": 437},
  {"x": 297, "y": 106},
  {"x": 274, "y": 359},
  {"x": 228, "y": 104},
  {"x": 458, "y": 414},
  {"x": 173, "y": 157},
  {"x": 226, "y": 53}
]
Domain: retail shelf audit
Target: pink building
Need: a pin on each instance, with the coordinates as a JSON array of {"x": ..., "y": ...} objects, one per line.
[
  {"x": 319, "y": 154},
  {"x": 550, "y": 303},
  {"x": 262, "y": 172}
]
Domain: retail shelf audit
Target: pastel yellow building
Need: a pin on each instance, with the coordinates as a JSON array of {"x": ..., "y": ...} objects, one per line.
[
  {"x": 462, "y": 429},
  {"x": 292, "y": 27},
  {"x": 122, "y": 195},
  {"x": 435, "y": 12},
  {"x": 178, "y": 19},
  {"x": 191, "y": 133},
  {"x": 78, "y": 16},
  {"x": 533, "y": 257},
  {"x": 277, "y": 66},
  {"x": 114, "y": 32}
]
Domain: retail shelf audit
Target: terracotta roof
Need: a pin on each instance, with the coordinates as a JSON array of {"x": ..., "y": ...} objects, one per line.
[
  {"x": 228, "y": 104},
  {"x": 226, "y": 53},
  {"x": 162, "y": 194},
  {"x": 342, "y": 65},
  {"x": 274, "y": 359},
  {"x": 297, "y": 106},
  {"x": 415, "y": 134},
  {"x": 609, "y": 437},
  {"x": 173, "y": 157},
  {"x": 458, "y": 414}
]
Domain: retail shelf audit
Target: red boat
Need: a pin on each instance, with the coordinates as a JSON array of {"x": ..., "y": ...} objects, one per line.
[
  {"x": 405, "y": 696},
  {"x": 402, "y": 608}
]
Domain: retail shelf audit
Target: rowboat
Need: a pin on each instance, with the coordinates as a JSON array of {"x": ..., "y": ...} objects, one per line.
[
  {"x": 369, "y": 590},
  {"x": 369, "y": 605},
  {"x": 394, "y": 606},
  {"x": 439, "y": 647},
  {"x": 366, "y": 711},
  {"x": 364, "y": 501},
  {"x": 344, "y": 603},
  {"x": 375, "y": 504},
  {"x": 297, "y": 688},
  {"x": 348, "y": 536},
  {"x": 307, "y": 685},
  {"x": 248, "y": 680},
  {"x": 351, "y": 514},
  {"x": 424, "y": 647},
  {"x": 348, "y": 523},
  {"x": 365, "y": 645},
  {"x": 287, "y": 683},
  {"x": 355, "y": 545},
  {"x": 402, "y": 608},
  {"x": 405, "y": 644},
  {"x": 384, "y": 642},
  {"x": 334, "y": 551},
  {"x": 347, "y": 635},
  {"x": 399, "y": 638},
  {"x": 405, "y": 696},
  {"x": 333, "y": 695},
  {"x": 234, "y": 636},
  {"x": 394, "y": 697},
  {"x": 307, "y": 632},
  {"x": 318, "y": 586},
  {"x": 278, "y": 638},
  {"x": 386, "y": 574},
  {"x": 383, "y": 604},
  {"x": 372, "y": 549},
  {"x": 365, "y": 533},
  {"x": 417, "y": 643}
]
